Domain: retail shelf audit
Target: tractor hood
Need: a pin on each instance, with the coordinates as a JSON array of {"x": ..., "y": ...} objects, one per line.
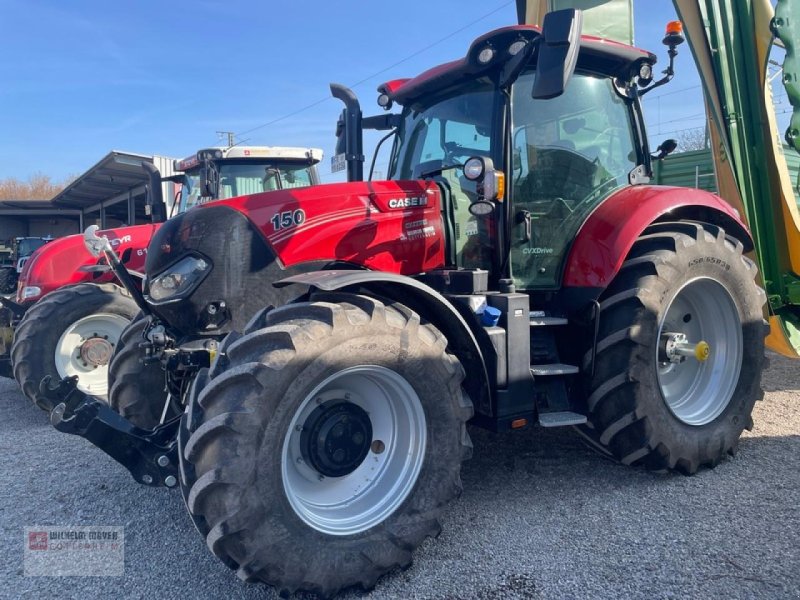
[
  {"x": 65, "y": 261},
  {"x": 211, "y": 268},
  {"x": 388, "y": 225}
]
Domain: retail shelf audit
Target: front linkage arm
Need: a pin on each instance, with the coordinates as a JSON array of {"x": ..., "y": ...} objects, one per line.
[{"x": 150, "y": 456}]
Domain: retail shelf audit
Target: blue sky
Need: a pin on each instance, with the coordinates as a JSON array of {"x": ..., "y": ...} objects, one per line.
[{"x": 84, "y": 77}]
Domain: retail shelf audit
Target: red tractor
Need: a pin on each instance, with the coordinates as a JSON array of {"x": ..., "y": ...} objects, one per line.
[
  {"x": 324, "y": 348},
  {"x": 71, "y": 310}
]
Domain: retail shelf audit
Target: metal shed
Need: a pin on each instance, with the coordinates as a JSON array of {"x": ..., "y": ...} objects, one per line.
[
  {"x": 112, "y": 192},
  {"x": 37, "y": 218}
]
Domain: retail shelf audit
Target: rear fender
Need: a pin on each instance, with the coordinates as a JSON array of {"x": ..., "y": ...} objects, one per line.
[
  {"x": 606, "y": 237},
  {"x": 428, "y": 303}
]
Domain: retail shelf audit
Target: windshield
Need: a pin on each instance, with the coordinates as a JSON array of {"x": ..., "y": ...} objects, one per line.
[
  {"x": 243, "y": 178},
  {"x": 28, "y": 246},
  {"x": 445, "y": 133},
  {"x": 433, "y": 141},
  {"x": 569, "y": 154},
  {"x": 190, "y": 191},
  {"x": 239, "y": 179}
]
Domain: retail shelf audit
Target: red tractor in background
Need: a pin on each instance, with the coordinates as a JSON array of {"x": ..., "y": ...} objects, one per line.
[
  {"x": 70, "y": 308},
  {"x": 325, "y": 347}
]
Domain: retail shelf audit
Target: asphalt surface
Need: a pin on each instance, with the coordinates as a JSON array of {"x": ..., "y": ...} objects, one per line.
[{"x": 541, "y": 517}]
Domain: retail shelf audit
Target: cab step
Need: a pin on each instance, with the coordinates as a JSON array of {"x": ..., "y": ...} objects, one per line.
[
  {"x": 540, "y": 320},
  {"x": 553, "y": 369},
  {"x": 561, "y": 419}
]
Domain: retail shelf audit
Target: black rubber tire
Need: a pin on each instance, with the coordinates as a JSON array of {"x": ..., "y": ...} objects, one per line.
[
  {"x": 231, "y": 440},
  {"x": 136, "y": 390},
  {"x": 36, "y": 337},
  {"x": 8, "y": 280},
  {"x": 628, "y": 417}
]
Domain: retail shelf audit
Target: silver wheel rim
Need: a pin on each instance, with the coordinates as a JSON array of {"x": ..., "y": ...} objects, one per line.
[
  {"x": 85, "y": 349},
  {"x": 365, "y": 497},
  {"x": 698, "y": 392}
]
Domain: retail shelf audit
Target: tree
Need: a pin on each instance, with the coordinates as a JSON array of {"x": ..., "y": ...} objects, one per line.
[
  {"x": 692, "y": 139},
  {"x": 37, "y": 187}
]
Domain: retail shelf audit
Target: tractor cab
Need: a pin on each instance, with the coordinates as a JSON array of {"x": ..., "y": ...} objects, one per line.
[
  {"x": 548, "y": 161},
  {"x": 220, "y": 173}
]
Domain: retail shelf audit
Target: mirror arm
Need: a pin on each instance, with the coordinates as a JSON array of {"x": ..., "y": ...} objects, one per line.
[
  {"x": 377, "y": 148},
  {"x": 382, "y": 122}
]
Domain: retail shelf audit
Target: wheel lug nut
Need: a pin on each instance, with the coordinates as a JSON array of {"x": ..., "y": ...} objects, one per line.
[{"x": 378, "y": 447}]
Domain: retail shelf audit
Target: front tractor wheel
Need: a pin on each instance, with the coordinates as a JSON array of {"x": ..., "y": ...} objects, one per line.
[
  {"x": 71, "y": 331},
  {"x": 326, "y": 449},
  {"x": 680, "y": 350},
  {"x": 137, "y": 388}
]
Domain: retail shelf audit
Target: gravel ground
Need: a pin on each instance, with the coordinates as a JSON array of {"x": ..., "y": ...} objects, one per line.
[{"x": 541, "y": 517}]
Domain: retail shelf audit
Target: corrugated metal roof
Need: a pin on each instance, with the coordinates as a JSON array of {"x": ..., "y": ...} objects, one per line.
[
  {"x": 115, "y": 174},
  {"x": 25, "y": 204}
]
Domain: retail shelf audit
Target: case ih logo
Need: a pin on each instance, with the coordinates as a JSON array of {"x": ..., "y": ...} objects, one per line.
[
  {"x": 37, "y": 540},
  {"x": 408, "y": 202}
]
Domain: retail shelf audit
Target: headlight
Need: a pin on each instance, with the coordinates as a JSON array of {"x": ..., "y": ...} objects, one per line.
[
  {"x": 474, "y": 168},
  {"x": 179, "y": 279},
  {"x": 486, "y": 55},
  {"x": 31, "y": 291}
]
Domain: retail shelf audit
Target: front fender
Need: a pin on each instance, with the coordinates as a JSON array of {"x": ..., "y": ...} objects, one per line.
[
  {"x": 606, "y": 237},
  {"x": 428, "y": 303}
]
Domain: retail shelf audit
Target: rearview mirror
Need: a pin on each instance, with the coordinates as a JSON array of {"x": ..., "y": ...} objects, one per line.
[
  {"x": 209, "y": 180},
  {"x": 666, "y": 148},
  {"x": 558, "y": 52}
]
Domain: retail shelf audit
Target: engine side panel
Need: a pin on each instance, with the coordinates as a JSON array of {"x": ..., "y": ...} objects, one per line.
[
  {"x": 393, "y": 226},
  {"x": 607, "y": 235}
]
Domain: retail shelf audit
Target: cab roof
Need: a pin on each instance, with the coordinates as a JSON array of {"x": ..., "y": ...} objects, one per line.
[
  {"x": 278, "y": 153},
  {"x": 596, "y": 54}
]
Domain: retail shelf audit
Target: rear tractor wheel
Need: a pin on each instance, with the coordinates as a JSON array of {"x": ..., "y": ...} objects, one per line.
[
  {"x": 325, "y": 451},
  {"x": 680, "y": 351},
  {"x": 71, "y": 331}
]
